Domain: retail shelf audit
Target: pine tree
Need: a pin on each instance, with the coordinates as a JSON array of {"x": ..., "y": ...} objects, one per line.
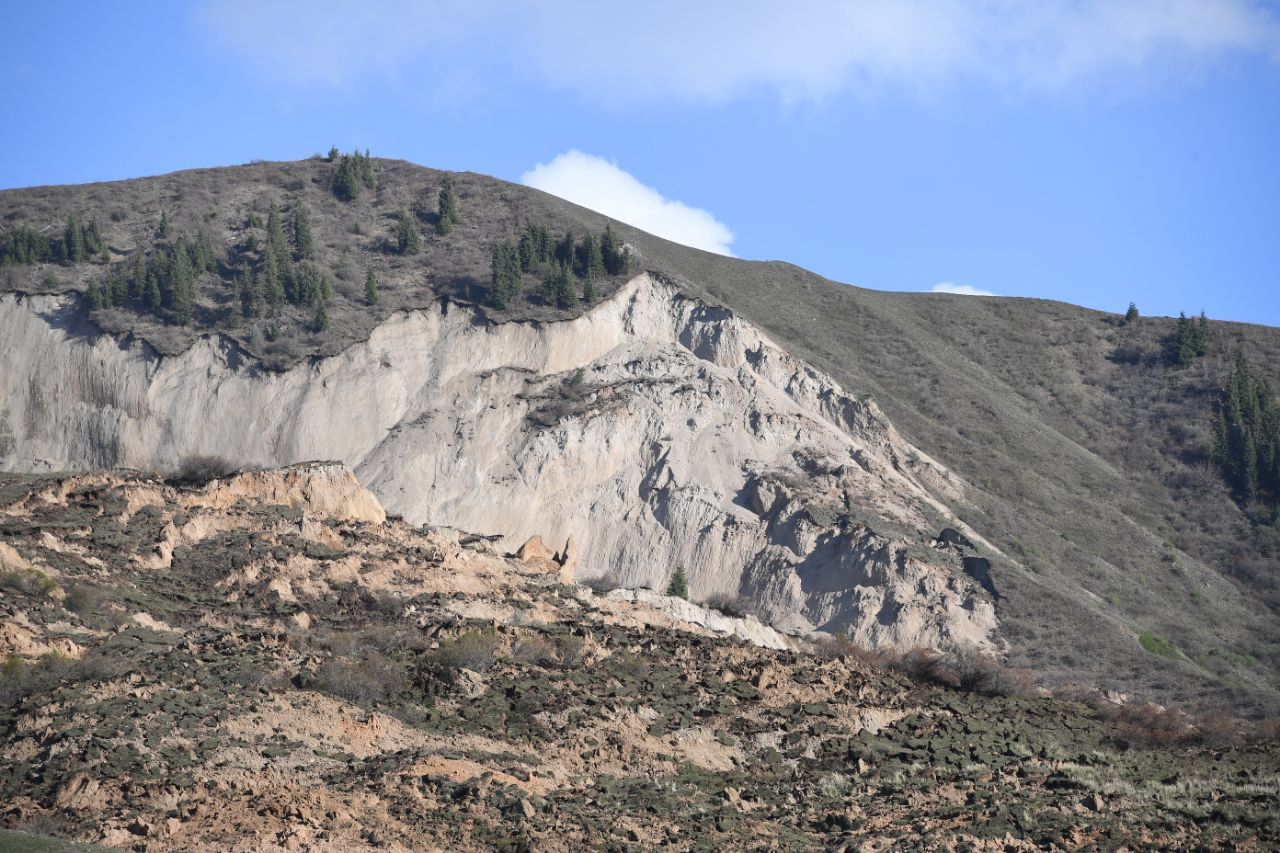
[
  {"x": 448, "y": 207},
  {"x": 73, "y": 239},
  {"x": 527, "y": 249},
  {"x": 162, "y": 230},
  {"x": 679, "y": 585},
  {"x": 615, "y": 256},
  {"x": 204, "y": 259},
  {"x": 1131, "y": 315},
  {"x": 505, "y": 270},
  {"x": 347, "y": 181},
  {"x": 272, "y": 280},
  {"x": 303, "y": 244},
  {"x": 559, "y": 286},
  {"x": 151, "y": 295},
  {"x": 371, "y": 288},
  {"x": 333, "y": 154},
  {"x": 137, "y": 274},
  {"x": 275, "y": 234},
  {"x": 589, "y": 291},
  {"x": 321, "y": 321},
  {"x": 564, "y": 250},
  {"x": 590, "y": 258},
  {"x": 92, "y": 236},
  {"x": 250, "y": 296},
  {"x": 407, "y": 239}
]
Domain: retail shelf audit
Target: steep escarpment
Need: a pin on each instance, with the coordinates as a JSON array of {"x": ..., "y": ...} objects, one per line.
[{"x": 652, "y": 431}]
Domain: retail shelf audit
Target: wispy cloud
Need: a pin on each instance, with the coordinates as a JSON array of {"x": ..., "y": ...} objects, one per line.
[
  {"x": 604, "y": 187},
  {"x": 722, "y": 49},
  {"x": 962, "y": 289}
]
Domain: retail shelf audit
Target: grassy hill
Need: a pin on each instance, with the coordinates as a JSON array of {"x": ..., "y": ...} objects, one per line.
[{"x": 1131, "y": 564}]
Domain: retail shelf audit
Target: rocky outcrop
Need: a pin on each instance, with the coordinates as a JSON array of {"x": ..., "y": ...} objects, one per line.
[{"x": 653, "y": 431}]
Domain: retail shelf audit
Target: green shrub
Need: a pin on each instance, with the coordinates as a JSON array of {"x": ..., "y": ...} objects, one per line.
[{"x": 1158, "y": 645}]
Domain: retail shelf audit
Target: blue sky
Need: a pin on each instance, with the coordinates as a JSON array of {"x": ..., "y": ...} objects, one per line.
[{"x": 1093, "y": 151}]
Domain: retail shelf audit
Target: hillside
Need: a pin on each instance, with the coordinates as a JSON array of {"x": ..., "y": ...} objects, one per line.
[
  {"x": 264, "y": 662},
  {"x": 1081, "y": 450}
]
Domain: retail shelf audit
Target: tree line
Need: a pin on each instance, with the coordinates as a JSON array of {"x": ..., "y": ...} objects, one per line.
[{"x": 564, "y": 265}]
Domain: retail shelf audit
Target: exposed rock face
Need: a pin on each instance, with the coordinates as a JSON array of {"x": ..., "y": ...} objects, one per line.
[{"x": 653, "y": 430}]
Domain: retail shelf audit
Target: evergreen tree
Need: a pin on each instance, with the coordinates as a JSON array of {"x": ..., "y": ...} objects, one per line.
[
  {"x": 1190, "y": 339},
  {"x": 92, "y": 238},
  {"x": 73, "y": 249},
  {"x": 614, "y": 255},
  {"x": 162, "y": 230},
  {"x": 346, "y": 180},
  {"x": 250, "y": 296},
  {"x": 590, "y": 258},
  {"x": 527, "y": 249},
  {"x": 589, "y": 291},
  {"x": 303, "y": 243},
  {"x": 26, "y": 246},
  {"x": 272, "y": 280},
  {"x": 559, "y": 286},
  {"x": 1132, "y": 314},
  {"x": 564, "y": 250},
  {"x": 333, "y": 154},
  {"x": 137, "y": 274},
  {"x": 447, "y": 207},
  {"x": 151, "y": 295},
  {"x": 371, "y": 288},
  {"x": 679, "y": 585},
  {"x": 275, "y": 234},
  {"x": 505, "y": 269},
  {"x": 1246, "y": 436},
  {"x": 407, "y": 239},
  {"x": 321, "y": 321},
  {"x": 203, "y": 257},
  {"x": 353, "y": 175}
]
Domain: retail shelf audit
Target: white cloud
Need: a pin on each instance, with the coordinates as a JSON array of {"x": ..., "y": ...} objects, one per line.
[
  {"x": 600, "y": 185},
  {"x": 722, "y": 49},
  {"x": 962, "y": 289}
]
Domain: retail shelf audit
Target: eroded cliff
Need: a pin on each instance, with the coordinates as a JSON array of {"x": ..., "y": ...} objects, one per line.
[{"x": 653, "y": 431}]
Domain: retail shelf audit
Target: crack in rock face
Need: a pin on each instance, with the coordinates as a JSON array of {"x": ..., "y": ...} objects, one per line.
[{"x": 653, "y": 430}]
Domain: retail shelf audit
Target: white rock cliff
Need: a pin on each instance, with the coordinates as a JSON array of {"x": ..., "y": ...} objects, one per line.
[{"x": 653, "y": 430}]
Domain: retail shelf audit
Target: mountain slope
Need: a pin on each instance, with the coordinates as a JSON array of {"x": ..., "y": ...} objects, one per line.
[{"x": 1079, "y": 446}]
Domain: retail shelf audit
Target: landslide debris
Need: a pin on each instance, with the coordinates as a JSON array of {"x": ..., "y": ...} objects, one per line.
[{"x": 286, "y": 674}]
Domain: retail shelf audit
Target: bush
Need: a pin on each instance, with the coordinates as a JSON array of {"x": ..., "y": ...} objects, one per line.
[
  {"x": 200, "y": 469},
  {"x": 372, "y": 678},
  {"x": 607, "y": 582},
  {"x": 474, "y": 650},
  {"x": 82, "y": 600},
  {"x": 32, "y": 582},
  {"x": 737, "y": 606}
]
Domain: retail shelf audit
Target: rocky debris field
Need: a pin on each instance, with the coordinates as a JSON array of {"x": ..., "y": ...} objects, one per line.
[{"x": 266, "y": 663}]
